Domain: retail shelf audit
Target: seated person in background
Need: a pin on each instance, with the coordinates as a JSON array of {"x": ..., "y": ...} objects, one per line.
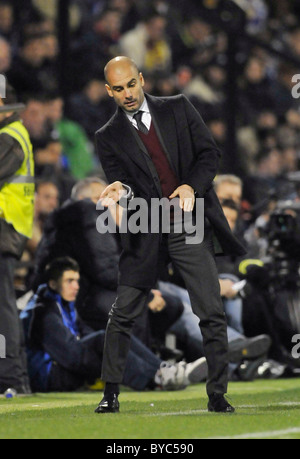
[
  {"x": 63, "y": 353},
  {"x": 46, "y": 201},
  {"x": 229, "y": 187},
  {"x": 233, "y": 303}
]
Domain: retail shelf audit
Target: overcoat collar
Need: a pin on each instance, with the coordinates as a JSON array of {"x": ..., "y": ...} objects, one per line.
[{"x": 130, "y": 142}]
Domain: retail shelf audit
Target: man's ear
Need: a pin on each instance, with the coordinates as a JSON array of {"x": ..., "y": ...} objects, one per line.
[
  {"x": 109, "y": 91},
  {"x": 53, "y": 285},
  {"x": 142, "y": 79}
]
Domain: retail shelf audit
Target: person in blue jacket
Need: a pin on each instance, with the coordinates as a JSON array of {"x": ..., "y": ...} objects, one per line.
[{"x": 64, "y": 353}]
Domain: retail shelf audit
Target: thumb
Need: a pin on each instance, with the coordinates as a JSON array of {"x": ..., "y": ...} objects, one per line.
[{"x": 174, "y": 194}]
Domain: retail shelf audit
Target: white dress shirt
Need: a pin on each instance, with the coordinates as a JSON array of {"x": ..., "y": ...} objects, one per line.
[{"x": 146, "y": 118}]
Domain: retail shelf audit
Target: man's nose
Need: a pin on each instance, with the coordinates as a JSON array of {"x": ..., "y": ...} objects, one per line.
[
  {"x": 128, "y": 94},
  {"x": 76, "y": 285}
]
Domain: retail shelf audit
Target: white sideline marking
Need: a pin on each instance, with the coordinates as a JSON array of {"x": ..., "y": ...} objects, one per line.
[
  {"x": 189, "y": 412},
  {"x": 250, "y": 435},
  {"x": 176, "y": 413},
  {"x": 255, "y": 435}
]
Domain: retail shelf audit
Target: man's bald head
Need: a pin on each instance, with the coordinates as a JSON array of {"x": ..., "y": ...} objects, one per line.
[
  {"x": 118, "y": 66},
  {"x": 125, "y": 83}
]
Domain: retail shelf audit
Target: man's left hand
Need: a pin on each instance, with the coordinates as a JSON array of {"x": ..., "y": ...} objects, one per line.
[{"x": 186, "y": 196}]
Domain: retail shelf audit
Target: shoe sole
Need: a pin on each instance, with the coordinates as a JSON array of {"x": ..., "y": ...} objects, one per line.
[
  {"x": 199, "y": 373},
  {"x": 211, "y": 410},
  {"x": 258, "y": 347},
  {"x": 103, "y": 411}
]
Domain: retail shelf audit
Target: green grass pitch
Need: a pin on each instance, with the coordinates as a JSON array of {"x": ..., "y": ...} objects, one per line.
[{"x": 265, "y": 410}]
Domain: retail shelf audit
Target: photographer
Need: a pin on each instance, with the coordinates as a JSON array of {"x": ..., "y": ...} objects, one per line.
[{"x": 273, "y": 305}]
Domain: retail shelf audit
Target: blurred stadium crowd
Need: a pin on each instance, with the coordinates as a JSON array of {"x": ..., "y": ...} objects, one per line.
[{"x": 178, "y": 52}]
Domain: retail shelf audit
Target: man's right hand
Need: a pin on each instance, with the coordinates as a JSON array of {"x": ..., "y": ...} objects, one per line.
[
  {"x": 112, "y": 194},
  {"x": 158, "y": 303}
]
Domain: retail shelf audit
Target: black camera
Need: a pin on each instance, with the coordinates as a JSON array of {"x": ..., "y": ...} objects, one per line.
[
  {"x": 284, "y": 229},
  {"x": 283, "y": 234}
]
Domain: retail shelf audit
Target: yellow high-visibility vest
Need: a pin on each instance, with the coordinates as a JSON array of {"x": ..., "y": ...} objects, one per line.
[{"x": 17, "y": 195}]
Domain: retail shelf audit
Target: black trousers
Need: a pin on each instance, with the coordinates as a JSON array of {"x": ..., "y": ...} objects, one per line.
[
  {"x": 197, "y": 266},
  {"x": 13, "y": 368}
]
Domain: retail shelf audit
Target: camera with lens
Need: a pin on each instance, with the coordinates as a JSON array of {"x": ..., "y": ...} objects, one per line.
[{"x": 283, "y": 234}]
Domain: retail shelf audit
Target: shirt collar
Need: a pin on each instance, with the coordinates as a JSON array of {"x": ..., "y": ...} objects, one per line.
[{"x": 144, "y": 108}]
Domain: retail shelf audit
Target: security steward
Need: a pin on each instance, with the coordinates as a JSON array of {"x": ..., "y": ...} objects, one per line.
[{"x": 16, "y": 222}]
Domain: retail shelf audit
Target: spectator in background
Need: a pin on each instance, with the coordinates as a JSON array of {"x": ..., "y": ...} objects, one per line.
[
  {"x": 5, "y": 55},
  {"x": 266, "y": 127},
  {"x": 91, "y": 108},
  {"x": 257, "y": 14},
  {"x": 294, "y": 41},
  {"x": 290, "y": 158},
  {"x": 269, "y": 166},
  {"x": 229, "y": 187},
  {"x": 47, "y": 11},
  {"x": 7, "y": 17},
  {"x": 39, "y": 25},
  {"x": 25, "y": 73},
  {"x": 34, "y": 117},
  {"x": 256, "y": 93},
  {"x": 129, "y": 11},
  {"x": 50, "y": 68},
  {"x": 194, "y": 44},
  {"x": 74, "y": 141},
  {"x": 282, "y": 89},
  {"x": 218, "y": 128},
  {"x": 51, "y": 165},
  {"x": 46, "y": 201},
  {"x": 147, "y": 44},
  {"x": 96, "y": 45}
]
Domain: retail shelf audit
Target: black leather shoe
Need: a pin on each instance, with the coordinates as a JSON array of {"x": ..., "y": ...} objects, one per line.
[
  {"x": 109, "y": 404},
  {"x": 218, "y": 404}
]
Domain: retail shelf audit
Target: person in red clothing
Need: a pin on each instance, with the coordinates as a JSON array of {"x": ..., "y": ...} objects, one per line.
[{"x": 160, "y": 148}]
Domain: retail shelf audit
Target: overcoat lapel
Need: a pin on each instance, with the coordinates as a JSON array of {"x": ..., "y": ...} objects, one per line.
[
  {"x": 128, "y": 141},
  {"x": 131, "y": 143}
]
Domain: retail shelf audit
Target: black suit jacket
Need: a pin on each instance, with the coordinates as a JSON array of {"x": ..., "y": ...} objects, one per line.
[{"x": 194, "y": 157}]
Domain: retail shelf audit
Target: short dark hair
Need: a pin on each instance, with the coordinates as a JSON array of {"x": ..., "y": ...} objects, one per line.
[{"x": 56, "y": 269}]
